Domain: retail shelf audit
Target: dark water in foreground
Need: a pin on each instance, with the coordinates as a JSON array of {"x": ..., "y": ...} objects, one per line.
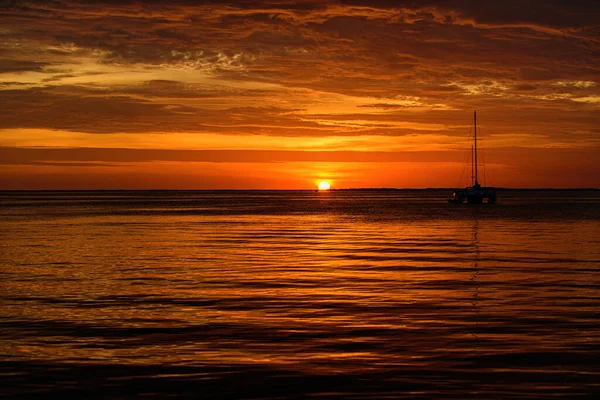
[{"x": 364, "y": 294}]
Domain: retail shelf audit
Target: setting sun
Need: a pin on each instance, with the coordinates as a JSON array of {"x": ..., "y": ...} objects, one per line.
[{"x": 324, "y": 185}]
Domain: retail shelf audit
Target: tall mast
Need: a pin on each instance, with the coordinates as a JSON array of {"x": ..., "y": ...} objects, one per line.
[
  {"x": 472, "y": 169},
  {"x": 475, "y": 146}
]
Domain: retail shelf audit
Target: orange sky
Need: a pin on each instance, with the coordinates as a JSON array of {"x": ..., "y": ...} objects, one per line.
[{"x": 282, "y": 94}]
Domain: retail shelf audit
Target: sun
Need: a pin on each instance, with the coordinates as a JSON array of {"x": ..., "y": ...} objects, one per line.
[{"x": 324, "y": 185}]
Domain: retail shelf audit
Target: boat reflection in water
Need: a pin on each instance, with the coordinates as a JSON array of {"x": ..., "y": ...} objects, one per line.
[{"x": 474, "y": 194}]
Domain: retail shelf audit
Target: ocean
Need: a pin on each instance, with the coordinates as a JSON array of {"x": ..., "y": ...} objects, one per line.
[{"x": 357, "y": 294}]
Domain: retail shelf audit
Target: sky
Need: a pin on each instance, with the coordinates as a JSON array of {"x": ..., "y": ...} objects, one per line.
[{"x": 284, "y": 94}]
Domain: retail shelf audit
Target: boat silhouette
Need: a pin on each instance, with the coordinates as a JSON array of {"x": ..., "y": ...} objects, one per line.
[{"x": 474, "y": 194}]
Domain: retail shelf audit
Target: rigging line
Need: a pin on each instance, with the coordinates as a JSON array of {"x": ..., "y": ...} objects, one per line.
[
  {"x": 465, "y": 164},
  {"x": 472, "y": 156},
  {"x": 483, "y": 168},
  {"x": 468, "y": 157},
  {"x": 482, "y": 159},
  {"x": 475, "y": 146},
  {"x": 483, "y": 154},
  {"x": 483, "y": 162}
]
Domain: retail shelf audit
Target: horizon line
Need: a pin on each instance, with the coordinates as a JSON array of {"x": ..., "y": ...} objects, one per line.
[{"x": 290, "y": 190}]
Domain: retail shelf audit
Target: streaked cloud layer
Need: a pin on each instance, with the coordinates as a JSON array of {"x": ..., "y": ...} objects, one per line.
[{"x": 277, "y": 94}]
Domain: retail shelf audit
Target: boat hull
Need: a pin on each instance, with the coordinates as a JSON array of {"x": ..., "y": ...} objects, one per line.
[{"x": 473, "y": 195}]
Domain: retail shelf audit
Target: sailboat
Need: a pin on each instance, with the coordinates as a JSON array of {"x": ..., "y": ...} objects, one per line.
[{"x": 474, "y": 194}]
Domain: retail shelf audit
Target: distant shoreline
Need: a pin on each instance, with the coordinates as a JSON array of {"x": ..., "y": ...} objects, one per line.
[
  {"x": 495, "y": 188},
  {"x": 294, "y": 190}
]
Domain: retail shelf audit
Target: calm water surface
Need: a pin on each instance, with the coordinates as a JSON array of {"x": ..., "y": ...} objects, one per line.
[{"x": 346, "y": 294}]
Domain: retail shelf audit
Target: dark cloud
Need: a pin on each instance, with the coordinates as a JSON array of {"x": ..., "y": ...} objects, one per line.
[
  {"x": 86, "y": 110},
  {"x": 77, "y": 156},
  {"x": 553, "y": 13},
  {"x": 538, "y": 162},
  {"x": 525, "y": 87},
  {"x": 317, "y": 44},
  {"x": 8, "y": 65},
  {"x": 387, "y": 106},
  {"x": 448, "y": 56}
]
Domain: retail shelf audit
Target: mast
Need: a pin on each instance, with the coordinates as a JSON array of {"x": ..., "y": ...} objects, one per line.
[
  {"x": 475, "y": 147},
  {"x": 472, "y": 169}
]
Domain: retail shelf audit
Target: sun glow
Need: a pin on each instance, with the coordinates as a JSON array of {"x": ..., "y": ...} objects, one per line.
[{"x": 323, "y": 185}]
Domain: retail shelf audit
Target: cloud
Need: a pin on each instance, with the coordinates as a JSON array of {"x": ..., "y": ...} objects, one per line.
[
  {"x": 304, "y": 69},
  {"x": 8, "y": 65},
  {"x": 76, "y": 156},
  {"x": 551, "y": 13},
  {"x": 525, "y": 87}
]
